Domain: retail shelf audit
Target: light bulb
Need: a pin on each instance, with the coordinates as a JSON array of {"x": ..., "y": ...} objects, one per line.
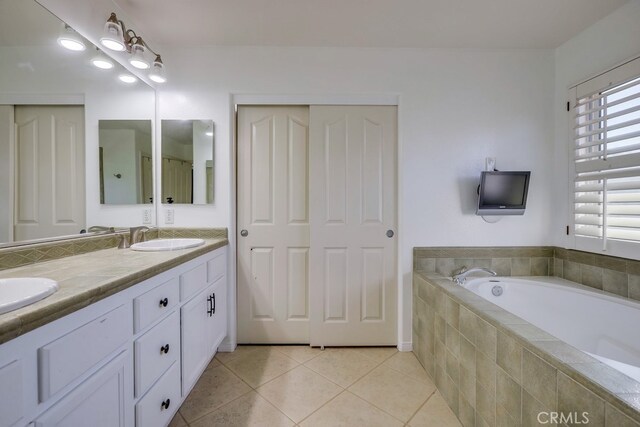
[
  {"x": 127, "y": 78},
  {"x": 71, "y": 40},
  {"x": 101, "y": 61}
]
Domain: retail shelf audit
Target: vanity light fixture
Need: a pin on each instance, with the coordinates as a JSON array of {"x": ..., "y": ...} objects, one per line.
[
  {"x": 100, "y": 60},
  {"x": 113, "y": 34},
  {"x": 127, "y": 78},
  {"x": 70, "y": 39},
  {"x": 116, "y": 36},
  {"x": 137, "y": 58},
  {"x": 157, "y": 71}
]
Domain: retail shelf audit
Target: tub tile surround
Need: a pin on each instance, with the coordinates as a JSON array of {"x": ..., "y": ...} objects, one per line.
[
  {"x": 494, "y": 369},
  {"x": 18, "y": 256},
  {"x": 618, "y": 276}
]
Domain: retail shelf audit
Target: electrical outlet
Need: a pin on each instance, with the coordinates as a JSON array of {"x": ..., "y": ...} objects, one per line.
[
  {"x": 146, "y": 216},
  {"x": 169, "y": 216},
  {"x": 490, "y": 163}
]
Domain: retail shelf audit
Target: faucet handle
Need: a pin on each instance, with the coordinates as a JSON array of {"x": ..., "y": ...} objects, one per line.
[{"x": 459, "y": 271}]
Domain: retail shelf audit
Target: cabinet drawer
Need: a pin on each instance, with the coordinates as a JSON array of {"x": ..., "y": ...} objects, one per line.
[
  {"x": 150, "y": 306},
  {"x": 157, "y": 407},
  {"x": 65, "y": 359},
  {"x": 155, "y": 351},
  {"x": 11, "y": 386},
  {"x": 217, "y": 267},
  {"x": 193, "y": 281}
]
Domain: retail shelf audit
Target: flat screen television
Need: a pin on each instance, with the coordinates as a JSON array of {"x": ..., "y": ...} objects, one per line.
[{"x": 503, "y": 193}]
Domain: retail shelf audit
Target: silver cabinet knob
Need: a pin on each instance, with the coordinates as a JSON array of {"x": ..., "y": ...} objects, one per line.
[
  {"x": 244, "y": 233},
  {"x": 390, "y": 233}
]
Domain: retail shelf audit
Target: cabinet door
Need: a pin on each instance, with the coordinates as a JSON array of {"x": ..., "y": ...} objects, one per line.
[
  {"x": 196, "y": 337},
  {"x": 98, "y": 402},
  {"x": 11, "y": 393},
  {"x": 218, "y": 319}
]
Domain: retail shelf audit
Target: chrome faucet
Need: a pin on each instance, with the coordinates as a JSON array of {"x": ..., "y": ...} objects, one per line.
[
  {"x": 461, "y": 276},
  {"x": 136, "y": 234},
  {"x": 95, "y": 228}
]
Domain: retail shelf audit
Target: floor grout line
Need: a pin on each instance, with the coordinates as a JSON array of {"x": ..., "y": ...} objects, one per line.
[
  {"x": 343, "y": 389},
  {"x": 422, "y": 405}
]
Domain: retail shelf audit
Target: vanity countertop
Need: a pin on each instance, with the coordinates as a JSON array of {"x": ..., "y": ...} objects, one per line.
[{"x": 87, "y": 278}]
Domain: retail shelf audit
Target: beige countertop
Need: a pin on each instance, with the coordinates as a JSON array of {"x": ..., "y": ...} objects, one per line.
[{"x": 88, "y": 278}]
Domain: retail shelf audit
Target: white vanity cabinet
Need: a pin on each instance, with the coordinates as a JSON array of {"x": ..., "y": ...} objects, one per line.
[
  {"x": 127, "y": 360},
  {"x": 203, "y": 322}
]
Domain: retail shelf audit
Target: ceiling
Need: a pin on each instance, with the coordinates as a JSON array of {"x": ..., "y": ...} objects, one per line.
[{"x": 367, "y": 23}]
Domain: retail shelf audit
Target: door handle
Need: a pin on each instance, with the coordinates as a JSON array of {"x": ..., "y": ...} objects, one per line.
[
  {"x": 390, "y": 233},
  {"x": 210, "y": 306},
  {"x": 213, "y": 308},
  {"x": 244, "y": 233}
]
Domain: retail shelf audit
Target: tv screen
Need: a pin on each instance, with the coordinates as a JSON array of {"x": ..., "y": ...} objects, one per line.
[{"x": 503, "y": 193}]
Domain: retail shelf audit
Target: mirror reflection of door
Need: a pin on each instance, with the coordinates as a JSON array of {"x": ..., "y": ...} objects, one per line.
[
  {"x": 126, "y": 166},
  {"x": 49, "y": 171},
  {"x": 187, "y": 161}
]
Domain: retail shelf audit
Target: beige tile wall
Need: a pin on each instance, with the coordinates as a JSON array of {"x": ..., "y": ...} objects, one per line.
[
  {"x": 497, "y": 370},
  {"x": 616, "y": 275}
]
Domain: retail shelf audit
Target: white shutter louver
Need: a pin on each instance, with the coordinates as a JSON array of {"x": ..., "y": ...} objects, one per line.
[{"x": 607, "y": 158}]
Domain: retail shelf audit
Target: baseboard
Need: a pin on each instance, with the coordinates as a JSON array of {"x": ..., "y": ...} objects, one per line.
[
  {"x": 405, "y": 346},
  {"x": 226, "y": 346}
]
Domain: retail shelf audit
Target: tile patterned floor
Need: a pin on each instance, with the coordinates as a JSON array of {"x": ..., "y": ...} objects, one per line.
[{"x": 303, "y": 386}]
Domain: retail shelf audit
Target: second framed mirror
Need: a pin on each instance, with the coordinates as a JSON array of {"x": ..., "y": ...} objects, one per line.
[{"x": 187, "y": 161}]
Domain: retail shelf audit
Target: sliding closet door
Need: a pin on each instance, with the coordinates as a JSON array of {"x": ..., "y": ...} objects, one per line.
[
  {"x": 273, "y": 225},
  {"x": 353, "y": 221},
  {"x": 49, "y": 171}
]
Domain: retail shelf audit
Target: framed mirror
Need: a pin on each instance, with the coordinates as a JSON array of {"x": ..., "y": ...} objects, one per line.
[
  {"x": 125, "y": 162},
  {"x": 55, "y": 88},
  {"x": 187, "y": 161}
]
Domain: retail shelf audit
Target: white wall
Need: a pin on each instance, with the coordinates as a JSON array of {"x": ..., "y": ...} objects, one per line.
[
  {"x": 202, "y": 152},
  {"x": 456, "y": 108},
  {"x": 609, "y": 42}
]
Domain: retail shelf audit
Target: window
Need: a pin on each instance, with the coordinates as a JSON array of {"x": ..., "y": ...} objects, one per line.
[{"x": 606, "y": 162}]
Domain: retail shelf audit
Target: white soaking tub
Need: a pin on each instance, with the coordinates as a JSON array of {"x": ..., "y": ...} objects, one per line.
[{"x": 606, "y": 327}]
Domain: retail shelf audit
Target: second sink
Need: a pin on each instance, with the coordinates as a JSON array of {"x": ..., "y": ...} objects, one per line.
[{"x": 167, "y": 245}]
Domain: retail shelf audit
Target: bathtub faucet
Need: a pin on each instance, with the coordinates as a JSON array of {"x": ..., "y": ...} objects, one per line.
[{"x": 460, "y": 277}]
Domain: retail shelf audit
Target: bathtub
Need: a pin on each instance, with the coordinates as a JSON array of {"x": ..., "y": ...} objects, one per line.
[{"x": 606, "y": 327}]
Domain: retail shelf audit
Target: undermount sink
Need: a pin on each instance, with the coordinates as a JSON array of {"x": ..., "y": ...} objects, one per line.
[
  {"x": 20, "y": 292},
  {"x": 166, "y": 245}
]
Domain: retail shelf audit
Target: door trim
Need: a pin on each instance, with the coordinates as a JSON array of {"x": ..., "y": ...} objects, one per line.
[{"x": 245, "y": 99}]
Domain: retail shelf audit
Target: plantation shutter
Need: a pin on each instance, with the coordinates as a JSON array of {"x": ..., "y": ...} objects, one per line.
[{"x": 607, "y": 156}]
